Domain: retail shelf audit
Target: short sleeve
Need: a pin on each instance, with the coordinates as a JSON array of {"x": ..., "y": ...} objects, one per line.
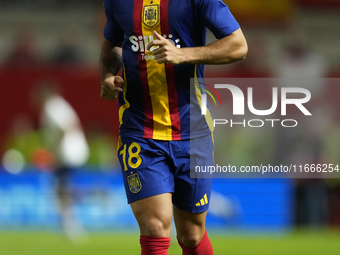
[
  {"x": 112, "y": 31},
  {"x": 217, "y": 17}
]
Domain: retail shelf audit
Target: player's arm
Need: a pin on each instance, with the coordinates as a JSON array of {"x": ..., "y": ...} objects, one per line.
[
  {"x": 224, "y": 51},
  {"x": 109, "y": 65}
]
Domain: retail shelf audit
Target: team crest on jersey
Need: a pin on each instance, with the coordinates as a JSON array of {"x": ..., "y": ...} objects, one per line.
[
  {"x": 151, "y": 15},
  {"x": 134, "y": 183}
]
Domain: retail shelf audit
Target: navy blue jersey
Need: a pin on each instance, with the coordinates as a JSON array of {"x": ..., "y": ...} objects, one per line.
[{"x": 156, "y": 101}]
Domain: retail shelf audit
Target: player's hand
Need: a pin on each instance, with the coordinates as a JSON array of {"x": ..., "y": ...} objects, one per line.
[
  {"x": 167, "y": 52},
  {"x": 110, "y": 87}
]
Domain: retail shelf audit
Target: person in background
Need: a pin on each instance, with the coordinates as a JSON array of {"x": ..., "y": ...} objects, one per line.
[{"x": 63, "y": 136}]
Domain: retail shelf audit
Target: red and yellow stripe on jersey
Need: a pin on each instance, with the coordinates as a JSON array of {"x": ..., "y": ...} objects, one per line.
[{"x": 159, "y": 89}]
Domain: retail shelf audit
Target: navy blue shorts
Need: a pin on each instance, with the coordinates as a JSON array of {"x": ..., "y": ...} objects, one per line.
[{"x": 152, "y": 167}]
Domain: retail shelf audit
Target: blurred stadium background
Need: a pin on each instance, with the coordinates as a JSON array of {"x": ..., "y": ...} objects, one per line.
[{"x": 59, "y": 41}]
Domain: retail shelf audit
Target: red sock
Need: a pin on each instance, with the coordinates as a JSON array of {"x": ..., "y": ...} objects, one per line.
[
  {"x": 204, "y": 247},
  {"x": 154, "y": 245}
]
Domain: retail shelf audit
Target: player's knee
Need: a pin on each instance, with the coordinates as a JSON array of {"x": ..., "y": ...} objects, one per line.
[
  {"x": 191, "y": 239},
  {"x": 156, "y": 227}
]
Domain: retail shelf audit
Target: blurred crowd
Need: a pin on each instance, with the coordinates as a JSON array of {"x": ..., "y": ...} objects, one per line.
[
  {"x": 53, "y": 3},
  {"x": 25, "y": 50}
]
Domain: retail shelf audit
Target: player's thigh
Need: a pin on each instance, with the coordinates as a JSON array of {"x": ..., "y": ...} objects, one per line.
[{"x": 154, "y": 215}]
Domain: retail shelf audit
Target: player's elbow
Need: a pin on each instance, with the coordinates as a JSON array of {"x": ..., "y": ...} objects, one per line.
[
  {"x": 238, "y": 45},
  {"x": 240, "y": 52},
  {"x": 244, "y": 51}
]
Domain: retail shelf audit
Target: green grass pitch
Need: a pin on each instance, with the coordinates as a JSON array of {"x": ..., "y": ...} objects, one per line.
[{"x": 49, "y": 243}]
